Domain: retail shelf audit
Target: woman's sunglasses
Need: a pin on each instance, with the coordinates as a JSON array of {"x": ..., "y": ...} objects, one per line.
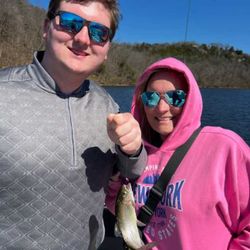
[
  {"x": 175, "y": 98},
  {"x": 73, "y": 23}
]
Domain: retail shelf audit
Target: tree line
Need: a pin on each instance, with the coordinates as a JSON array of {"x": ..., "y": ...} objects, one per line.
[{"x": 214, "y": 65}]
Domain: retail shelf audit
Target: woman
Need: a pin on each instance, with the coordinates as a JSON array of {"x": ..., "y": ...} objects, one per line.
[{"x": 207, "y": 202}]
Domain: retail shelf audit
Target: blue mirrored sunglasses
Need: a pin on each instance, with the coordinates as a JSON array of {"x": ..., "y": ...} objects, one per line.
[
  {"x": 175, "y": 98},
  {"x": 73, "y": 23}
]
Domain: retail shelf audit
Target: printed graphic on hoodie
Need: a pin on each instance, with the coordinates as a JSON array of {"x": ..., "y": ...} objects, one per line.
[{"x": 163, "y": 222}]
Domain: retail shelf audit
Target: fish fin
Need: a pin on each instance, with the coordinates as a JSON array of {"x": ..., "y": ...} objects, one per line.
[
  {"x": 133, "y": 203},
  {"x": 117, "y": 232},
  {"x": 148, "y": 246},
  {"x": 140, "y": 224}
]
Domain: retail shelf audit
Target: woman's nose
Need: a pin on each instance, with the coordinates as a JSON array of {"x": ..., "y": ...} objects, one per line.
[{"x": 163, "y": 105}]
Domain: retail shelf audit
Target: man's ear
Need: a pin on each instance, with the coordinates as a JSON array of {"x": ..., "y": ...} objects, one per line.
[{"x": 106, "y": 57}]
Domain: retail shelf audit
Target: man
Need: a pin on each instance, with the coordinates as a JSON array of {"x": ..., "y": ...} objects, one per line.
[{"x": 58, "y": 134}]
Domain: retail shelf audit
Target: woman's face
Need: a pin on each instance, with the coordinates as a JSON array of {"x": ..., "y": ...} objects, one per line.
[{"x": 163, "y": 117}]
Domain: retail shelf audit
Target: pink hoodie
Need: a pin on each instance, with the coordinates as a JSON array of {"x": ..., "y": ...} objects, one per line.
[{"x": 206, "y": 205}]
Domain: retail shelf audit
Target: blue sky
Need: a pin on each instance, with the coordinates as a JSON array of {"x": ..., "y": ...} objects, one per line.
[{"x": 225, "y": 22}]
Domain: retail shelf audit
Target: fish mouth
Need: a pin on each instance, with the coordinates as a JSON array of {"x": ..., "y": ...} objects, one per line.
[{"x": 125, "y": 181}]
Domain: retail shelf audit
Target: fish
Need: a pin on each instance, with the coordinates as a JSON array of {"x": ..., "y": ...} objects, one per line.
[{"x": 126, "y": 220}]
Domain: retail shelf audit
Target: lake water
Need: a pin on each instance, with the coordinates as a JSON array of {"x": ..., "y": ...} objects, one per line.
[{"x": 227, "y": 108}]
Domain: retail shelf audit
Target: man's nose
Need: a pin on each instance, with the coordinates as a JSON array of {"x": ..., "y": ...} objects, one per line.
[{"x": 83, "y": 36}]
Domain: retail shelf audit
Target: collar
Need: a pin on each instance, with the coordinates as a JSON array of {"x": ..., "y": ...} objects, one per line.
[{"x": 47, "y": 83}]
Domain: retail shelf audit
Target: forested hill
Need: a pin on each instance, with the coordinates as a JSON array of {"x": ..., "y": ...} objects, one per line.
[{"x": 214, "y": 65}]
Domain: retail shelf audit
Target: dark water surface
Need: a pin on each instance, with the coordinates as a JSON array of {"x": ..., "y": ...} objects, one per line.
[{"x": 227, "y": 108}]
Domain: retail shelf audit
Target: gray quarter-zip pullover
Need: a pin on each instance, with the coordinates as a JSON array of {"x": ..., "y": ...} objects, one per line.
[{"x": 55, "y": 161}]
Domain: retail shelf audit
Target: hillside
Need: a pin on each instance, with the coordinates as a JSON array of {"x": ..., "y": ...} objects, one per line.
[{"x": 214, "y": 65}]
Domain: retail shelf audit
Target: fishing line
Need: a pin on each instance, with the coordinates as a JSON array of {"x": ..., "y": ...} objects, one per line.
[
  {"x": 187, "y": 20},
  {"x": 187, "y": 25}
]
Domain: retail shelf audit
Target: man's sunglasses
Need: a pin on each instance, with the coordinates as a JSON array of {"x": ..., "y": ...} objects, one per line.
[
  {"x": 175, "y": 98},
  {"x": 73, "y": 23}
]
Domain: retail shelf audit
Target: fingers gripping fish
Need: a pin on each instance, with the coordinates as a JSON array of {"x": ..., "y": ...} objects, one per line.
[{"x": 127, "y": 220}]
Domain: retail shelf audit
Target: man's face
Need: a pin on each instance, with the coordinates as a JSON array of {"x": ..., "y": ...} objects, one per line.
[{"x": 75, "y": 53}]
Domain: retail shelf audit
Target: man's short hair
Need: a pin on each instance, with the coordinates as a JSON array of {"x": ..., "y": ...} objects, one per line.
[{"x": 111, "y": 5}]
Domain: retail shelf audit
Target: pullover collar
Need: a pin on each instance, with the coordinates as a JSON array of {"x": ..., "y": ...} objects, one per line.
[{"x": 44, "y": 81}]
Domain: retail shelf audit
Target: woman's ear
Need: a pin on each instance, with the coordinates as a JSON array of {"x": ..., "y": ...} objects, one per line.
[{"x": 46, "y": 25}]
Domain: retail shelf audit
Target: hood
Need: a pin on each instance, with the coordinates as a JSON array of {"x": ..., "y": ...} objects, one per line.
[{"x": 190, "y": 118}]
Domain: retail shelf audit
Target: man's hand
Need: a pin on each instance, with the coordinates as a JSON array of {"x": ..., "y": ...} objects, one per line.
[{"x": 124, "y": 131}]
